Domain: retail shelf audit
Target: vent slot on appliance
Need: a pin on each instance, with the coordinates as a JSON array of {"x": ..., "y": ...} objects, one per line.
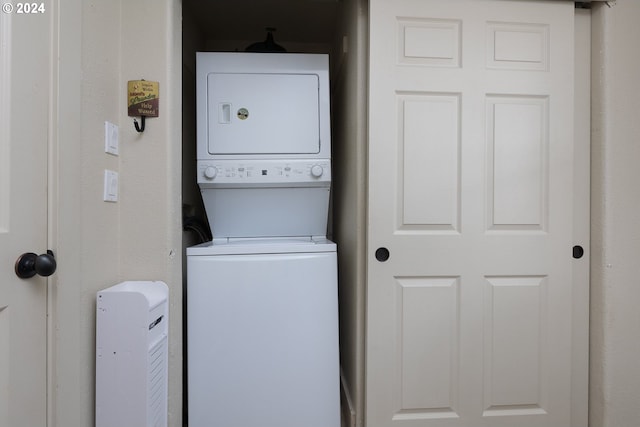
[
  {"x": 155, "y": 322},
  {"x": 158, "y": 382}
]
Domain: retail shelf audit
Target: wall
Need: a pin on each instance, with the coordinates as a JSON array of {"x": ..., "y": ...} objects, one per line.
[
  {"x": 192, "y": 41},
  {"x": 103, "y": 44},
  {"x": 349, "y": 194},
  {"x": 615, "y": 294}
]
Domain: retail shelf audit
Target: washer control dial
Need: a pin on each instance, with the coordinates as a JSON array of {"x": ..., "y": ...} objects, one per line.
[
  {"x": 317, "y": 171},
  {"x": 210, "y": 172}
]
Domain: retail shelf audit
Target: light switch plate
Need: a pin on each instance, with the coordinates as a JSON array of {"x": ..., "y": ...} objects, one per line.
[
  {"x": 110, "y": 186},
  {"x": 111, "y": 138}
]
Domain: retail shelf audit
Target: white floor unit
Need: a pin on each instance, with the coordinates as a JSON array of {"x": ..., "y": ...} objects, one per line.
[{"x": 132, "y": 355}]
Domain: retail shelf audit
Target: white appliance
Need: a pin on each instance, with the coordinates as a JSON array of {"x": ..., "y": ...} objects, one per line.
[
  {"x": 132, "y": 355},
  {"x": 264, "y": 143},
  {"x": 262, "y": 105},
  {"x": 263, "y": 348},
  {"x": 262, "y": 309},
  {"x": 266, "y": 198}
]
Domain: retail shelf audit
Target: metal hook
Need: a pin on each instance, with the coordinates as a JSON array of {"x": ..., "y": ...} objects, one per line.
[{"x": 139, "y": 128}]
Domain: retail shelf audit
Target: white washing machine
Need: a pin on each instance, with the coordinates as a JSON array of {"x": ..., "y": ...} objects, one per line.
[
  {"x": 263, "y": 348},
  {"x": 262, "y": 306}
]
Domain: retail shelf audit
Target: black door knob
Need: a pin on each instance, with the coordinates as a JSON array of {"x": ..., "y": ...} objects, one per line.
[
  {"x": 382, "y": 254},
  {"x": 30, "y": 264}
]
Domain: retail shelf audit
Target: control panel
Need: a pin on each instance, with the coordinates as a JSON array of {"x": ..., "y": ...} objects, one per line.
[{"x": 258, "y": 173}]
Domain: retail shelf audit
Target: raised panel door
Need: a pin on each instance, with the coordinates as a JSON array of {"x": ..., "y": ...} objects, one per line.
[{"x": 471, "y": 189}]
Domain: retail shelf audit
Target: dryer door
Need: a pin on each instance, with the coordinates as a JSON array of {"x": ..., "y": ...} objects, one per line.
[{"x": 263, "y": 113}]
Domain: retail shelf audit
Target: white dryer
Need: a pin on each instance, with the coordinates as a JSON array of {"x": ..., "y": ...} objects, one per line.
[
  {"x": 264, "y": 143},
  {"x": 262, "y": 105},
  {"x": 262, "y": 307}
]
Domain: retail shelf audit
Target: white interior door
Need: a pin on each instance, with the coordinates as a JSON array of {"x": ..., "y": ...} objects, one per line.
[
  {"x": 469, "y": 321},
  {"x": 24, "y": 122}
]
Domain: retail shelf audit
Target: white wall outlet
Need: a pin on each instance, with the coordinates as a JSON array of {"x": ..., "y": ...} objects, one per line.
[
  {"x": 111, "y": 138},
  {"x": 110, "y": 186}
]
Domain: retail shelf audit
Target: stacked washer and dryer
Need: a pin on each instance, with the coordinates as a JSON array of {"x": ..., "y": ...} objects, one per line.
[{"x": 262, "y": 309}]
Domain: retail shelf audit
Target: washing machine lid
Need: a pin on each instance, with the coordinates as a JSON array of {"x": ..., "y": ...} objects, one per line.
[
  {"x": 263, "y": 113},
  {"x": 248, "y": 246}
]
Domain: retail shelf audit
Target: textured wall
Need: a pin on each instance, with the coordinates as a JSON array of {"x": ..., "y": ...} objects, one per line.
[
  {"x": 102, "y": 45},
  {"x": 615, "y": 290}
]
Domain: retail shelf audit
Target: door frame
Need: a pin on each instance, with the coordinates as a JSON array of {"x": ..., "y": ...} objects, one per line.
[
  {"x": 64, "y": 213},
  {"x": 582, "y": 222}
]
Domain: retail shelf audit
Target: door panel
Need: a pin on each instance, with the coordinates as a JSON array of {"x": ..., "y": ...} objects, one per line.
[
  {"x": 24, "y": 115},
  {"x": 430, "y": 171},
  {"x": 517, "y": 147},
  {"x": 515, "y": 336},
  {"x": 471, "y": 190}
]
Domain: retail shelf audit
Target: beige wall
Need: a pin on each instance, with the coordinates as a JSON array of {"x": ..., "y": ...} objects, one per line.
[
  {"x": 102, "y": 45},
  {"x": 349, "y": 193},
  {"x": 615, "y": 289}
]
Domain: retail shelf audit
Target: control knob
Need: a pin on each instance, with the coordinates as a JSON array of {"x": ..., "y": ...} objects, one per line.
[
  {"x": 210, "y": 172},
  {"x": 317, "y": 171}
]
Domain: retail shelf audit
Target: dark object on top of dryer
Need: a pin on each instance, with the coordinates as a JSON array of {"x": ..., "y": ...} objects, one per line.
[{"x": 268, "y": 46}]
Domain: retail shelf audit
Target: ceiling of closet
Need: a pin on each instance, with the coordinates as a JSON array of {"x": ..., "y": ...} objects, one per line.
[{"x": 302, "y": 21}]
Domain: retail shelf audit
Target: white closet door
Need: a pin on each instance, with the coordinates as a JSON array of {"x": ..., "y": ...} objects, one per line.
[{"x": 471, "y": 175}]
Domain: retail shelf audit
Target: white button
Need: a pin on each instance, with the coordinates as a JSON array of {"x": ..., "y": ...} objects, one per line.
[
  {"x": 210, "y": 172},
  {"x": 317, "y": 171}
]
